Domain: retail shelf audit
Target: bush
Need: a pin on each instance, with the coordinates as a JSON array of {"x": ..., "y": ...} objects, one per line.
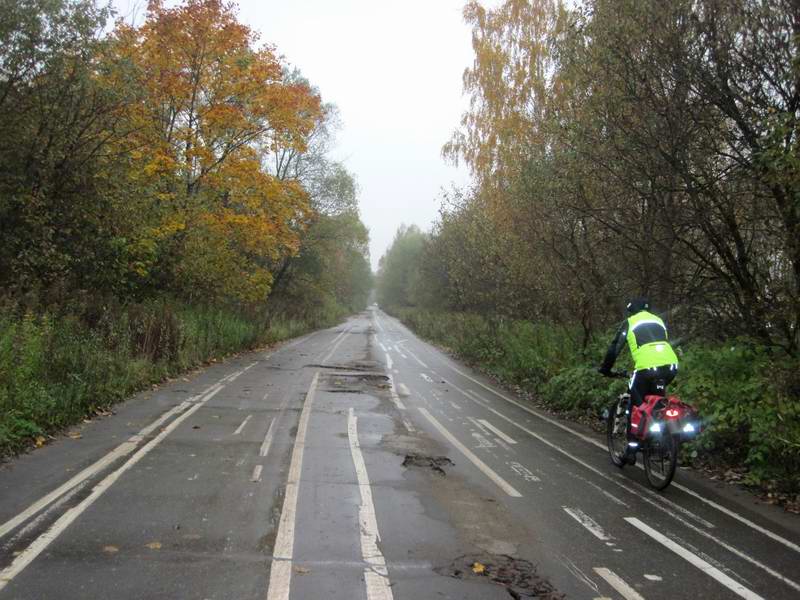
[
  {"x": 748, "y": 396},
  {"x": 56, "y": 369}
]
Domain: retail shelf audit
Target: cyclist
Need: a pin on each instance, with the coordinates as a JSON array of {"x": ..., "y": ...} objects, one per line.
[{"x": 654, "y": 360}]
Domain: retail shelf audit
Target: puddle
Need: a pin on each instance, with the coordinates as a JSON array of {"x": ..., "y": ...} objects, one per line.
[
  {"x": 434, "y": 463},
  {"x": 517, "y": 575}
]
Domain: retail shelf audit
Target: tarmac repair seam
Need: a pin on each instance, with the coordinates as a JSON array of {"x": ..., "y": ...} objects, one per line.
[{"x": 376, "y": 576}]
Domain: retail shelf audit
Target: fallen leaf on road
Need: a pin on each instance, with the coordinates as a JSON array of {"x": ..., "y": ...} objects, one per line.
[
  {"x": 39, "y": 441},
  {"x": 301, "y": 570},
  {"x": 110, "y": 549},
  {"x": 75, "y": 435},
  {"x": 478, "y": 568},
  {"x": 154, "y": 545}
]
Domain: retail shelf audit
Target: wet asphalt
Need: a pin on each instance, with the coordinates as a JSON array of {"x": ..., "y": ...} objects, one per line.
[{"x": 360, "y": 462}]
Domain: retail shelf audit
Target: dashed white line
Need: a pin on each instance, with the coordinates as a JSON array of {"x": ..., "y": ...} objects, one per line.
[
  {"x": 698, "y": 562},
  {"x": 264, "y": 449},
  {"x": 482, "y": 466},
  {"x": 618, "y": 584},
  {"x": 389, "y": 361},
  {"x": 589, "y": 523},
  {"x": 393, "y": 393},
  {"x": 256, "y": 477},
  {"x": 416, "y": 358},
  {"x": 241, "y": 427},
  {"x": 376, "y": 577},
  {"x": 506, "y": 438},
  {"x": 280, "y": 573},
  {"x": 426, "y": 377}
]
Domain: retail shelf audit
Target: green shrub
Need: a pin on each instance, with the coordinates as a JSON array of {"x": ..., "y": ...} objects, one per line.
[
  {"x": 749, "y": 397},
  {"x": 56, "y": 369}
]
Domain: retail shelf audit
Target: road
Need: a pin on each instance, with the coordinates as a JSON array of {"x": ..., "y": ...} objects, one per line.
[{"x": 360, "y": 462}]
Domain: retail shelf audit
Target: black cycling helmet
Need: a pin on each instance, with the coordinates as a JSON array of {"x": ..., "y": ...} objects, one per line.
[{"x": 638, "y": 305}]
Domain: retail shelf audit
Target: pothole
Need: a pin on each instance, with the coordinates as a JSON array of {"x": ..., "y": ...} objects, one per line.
[
  {"x": 517, "y": 575},
  {"x": 434, "y": 463}
]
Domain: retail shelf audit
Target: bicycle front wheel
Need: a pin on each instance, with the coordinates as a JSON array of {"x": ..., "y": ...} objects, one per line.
[
  {"x": 616, "y": 433},
  {"x": 660, "y": 460}
]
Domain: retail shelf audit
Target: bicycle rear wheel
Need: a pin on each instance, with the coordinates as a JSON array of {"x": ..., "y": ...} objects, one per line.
[
  {"x": 660, "y": 460},
  {"x": 616, "y": 433}
]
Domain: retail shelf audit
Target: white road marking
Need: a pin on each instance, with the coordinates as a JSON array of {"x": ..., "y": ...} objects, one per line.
[
  {"x": 482, "y": 466},
  {"x": 264, "y": 398},
  {"x": 607, "y": 494},
  {"x": 393, "y": 393},
  {"x": 589, "y": 523},
  {"x": 124, "y": 449},
  {"x": 402, "y": 390},
  {"x": 378, "y": 323},
  {"x": 659, "y": 505},
  {"x": 482, "y": 441},
  {"x": 399, "y": 351},
  {"x": 416, "y": 358},
  {"x": 337, "y": 341},
  {"x": 653, "y": 577},
  {"x": 267, "y": 439},
  {"x": 618, "y": 584},
  {"x": 280, "y": 573},
  {"x": 698, "y": 562},
  {"x": 241, "y": 427},
  {"x": 523, "y": 472},
  {"x": 580, "y": 575},
  {"x": 256, "y": 477},
  {"x": 383, "y": 347},
  {"x": 409, "y": 426},
  {"x": 426, "y": 377},
  {"x": 454, "y": 405},
  {"x": 376, "y": 576},
  {"x": 24, "y": 558},
  {"x": 497, "y": 432},
  {"x": 731, "y": 513},
  {"x": 389, "y": 361}
]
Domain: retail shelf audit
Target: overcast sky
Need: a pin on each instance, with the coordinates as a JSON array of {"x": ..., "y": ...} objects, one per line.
[{"x": 394, "y": 70}]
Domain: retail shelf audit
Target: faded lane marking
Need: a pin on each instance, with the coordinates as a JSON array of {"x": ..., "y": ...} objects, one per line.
[
  {"x": 618, "y": 584},
  {"x": 731, "y": 513},
  {"x": 280, "y": 573},
  {"x": 402, "y": 390},
  {"x": 589, "y": 523},
  {"x": 416, "y": 358},
  {"x": 241, "y": 427},
  {"x": 661, "y": 504},
  {"x": 393, "y": 392},
  {"x": 695, "y": 560},
  {"x": 524, "y": 472},
  {"x": 389, "y": 361},
  {"x": 124, "y": 449},
  {"x": 256, "y": 477},
  {"x": 426, "y": 377},
  {"x": 24, "y": 558},
  {"x": 267, "y": 439},
  {"x": 376, "y": 576},
  {"x": 497, "y": 432},
  {"x": 482, "y": 466}
]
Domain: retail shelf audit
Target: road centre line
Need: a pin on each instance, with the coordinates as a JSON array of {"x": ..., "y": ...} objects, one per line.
[
  {"x": 336, "y": 343},
  {"x": 241, "y": 427},
  {"x": 389, "y": 362},
  {"x": 124, "y": 449},
  {"x": 24, "y": 558},
  {"x": 416, "y": 358},
  {"x": 661, "y": 505},
  {"x": 698, "y": 562},
  {"x": 618, "y": 584},
  {"x": 731, "y": 513},
  {"x": 256, "y": 477},
  {"x": 280, "y": 573},
  {"x": 376, "y": 575},
  {"x": 497, "y": 432},
  {"x": 399, "y": 351},
  {"x": 589, "y": 523},
  {"x": 482, "y": 466},
  {"x": 267, "y": 439}
]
